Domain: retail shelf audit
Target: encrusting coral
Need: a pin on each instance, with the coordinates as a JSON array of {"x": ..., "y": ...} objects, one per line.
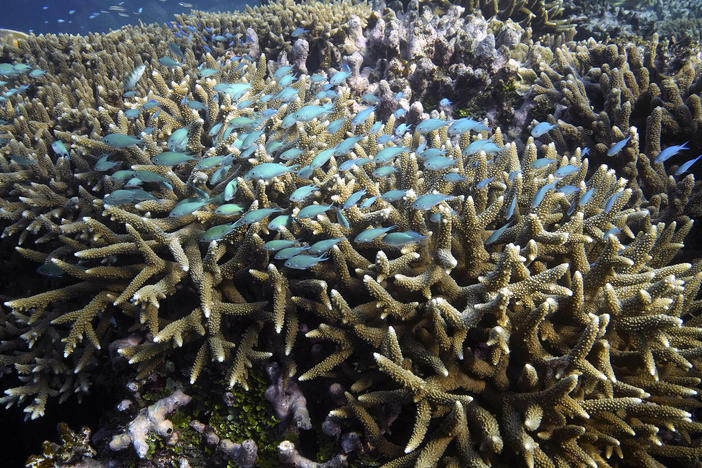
[
  {"x": 516, "y": 306},
  {"x": 151, "y": 419}
]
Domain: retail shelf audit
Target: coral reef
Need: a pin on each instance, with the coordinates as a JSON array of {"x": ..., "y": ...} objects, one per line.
[
  {"x": 151, "y": 419},
  {"x": 540, "y": 16},
  {"x": 600, "y": 94},
  {"x": 74, "y": 450},
  {"x": 469, "y": 300},
  {"x": 269, "y": 28}
]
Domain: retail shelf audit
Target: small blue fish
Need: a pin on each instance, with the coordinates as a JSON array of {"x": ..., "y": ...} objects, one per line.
[
  {"x": 230, "y": 190},
  {"x": 279, "y": 244},
  {"x": 617, "y": 147},
  {"x": 216, "y": 232},
  {"x": 612, "y": 199},
  {"x": 286, "y": 94},
  {"x": 334, "y": 126},
  {"x": 402, "y": 129},
  {"x": 282, "y": 71},
  {"x": 132, "y": 114},
  {"x": 341, "y": 219},
  {"x": 287, "y": 80},
  {"x": 255, "y": 216},
  {"x": 22, "y": 161},
  {"x": 586, "y": 197},
  {"x": 279, "y": 222},
  {"x": 298, "y": 32},
  {"x": 178, "y": 141},
  {"x": 429, "y": 125},
  {"x": 266, "y": 171},
  {"x": 290, "y": 252},
  {"x": 59, "y": 148},
  {"x": 350, "y": 163},
  {"x": 311, "y": 112},
  {"x": 370, "y": 99},
  {"x": 311, "y": 211},
  {"x": 445, "y": 102},
  {"x": 369, "y": 202},
  {"x": 362, "y": 116},
  {"x": 496, "y": 234},
  {"x": 476, "y": 147},
  {"x": 317, "y": 78},
  {"x": 301, "y": 193},
  {"x": 150, "y": 104},
  {"x": 173, "y": 47},
  {"x": 322, "y": 246},
  {"x": 484, "y": 183},
  {"x": 291, "y": 154},
  {"x": 453, "y": 177},
  {"x": 119, "y": 197},
  {"x": 118, "y": 140},
  {"x": 340, "y": 77},
  {"x": 384, "y": 171},
  {"x": 171, "y": 158},
  {"x": 430, "y": 152},
  {"x": 542, "y": 128},
  {"x": 671, "y": 151},
  {"x": 321, "y": 159},
  {"x": 438, "y": 163},
  {"x": 686, "y": 166},
  {"x": 305, "y": 172},
  {"x": 540, "y": 194},
  {"x": 206, "y": 72},
  {"x": 369, "y": 235},
  {"x": 382, "y": 139},
  {"x": 566, "y": 170},
  {"x": 388, "y": 154},
  {"x": 510, "y": 209},
  {"x": 168, "y": 62},
  {"x": 354, "y": 198},
  {"x": 430, "y": 200},
  {"x": 196, "y": 105},
  {"x": 541, "y": 163},
  {"x": 400, "y": 239},
  {"x": 461, "y": 126},
  {"x": 394, "y": 195},
  {"x": 229, "y": 209},
  {"x": 303, "y": 262},
  {"x": 568, "y": 189},
  {"x": 187, "y": 206},
  {"x": 375, "y": 128},
  {"x": 399, "y": 113},
  {"x": 235, "y": 90},
  {"x": 345, "y": 146}
]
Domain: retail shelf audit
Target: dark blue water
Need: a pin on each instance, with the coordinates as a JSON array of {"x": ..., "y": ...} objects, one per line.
[{"x": 82, "y": 16}]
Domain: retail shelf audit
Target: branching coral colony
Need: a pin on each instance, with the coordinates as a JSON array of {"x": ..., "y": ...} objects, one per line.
[{"x": 520, "y": 307}]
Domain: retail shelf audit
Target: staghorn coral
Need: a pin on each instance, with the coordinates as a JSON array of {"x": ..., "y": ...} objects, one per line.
[
  {"x": 540, "y": 16},
  {"x": 532, "y": 318},
  {"x": 601, "y": 93},
  {"x": 269, "y": 28}
]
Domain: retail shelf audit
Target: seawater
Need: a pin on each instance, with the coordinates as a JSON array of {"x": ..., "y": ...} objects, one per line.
[{"x": 83, "y": 16}]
